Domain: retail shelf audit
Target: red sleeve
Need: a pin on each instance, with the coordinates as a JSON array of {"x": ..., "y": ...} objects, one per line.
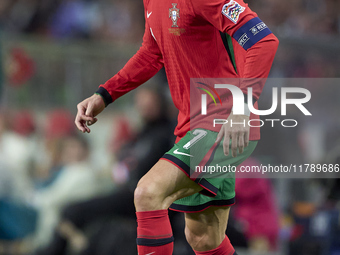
[
  {"x": 140, "y": 68},
  {"x": 259, "y": 59},
  {"x": 226, "y": 16},
  {"x": 235, "y": 18}
]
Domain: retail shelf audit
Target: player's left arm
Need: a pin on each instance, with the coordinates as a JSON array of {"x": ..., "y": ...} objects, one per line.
[
  {"x": 235, "y": 18},
  {"x": 259, "y": 59}
]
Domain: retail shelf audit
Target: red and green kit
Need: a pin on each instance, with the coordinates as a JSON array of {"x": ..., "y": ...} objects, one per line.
[{"x": 198, "y": 39}]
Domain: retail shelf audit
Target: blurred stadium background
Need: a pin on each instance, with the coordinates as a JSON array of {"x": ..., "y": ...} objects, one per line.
[{"x": 54, "y": 53}]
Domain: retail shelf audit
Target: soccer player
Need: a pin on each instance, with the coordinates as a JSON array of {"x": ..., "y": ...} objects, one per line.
[{"x": 191, "y": 39}]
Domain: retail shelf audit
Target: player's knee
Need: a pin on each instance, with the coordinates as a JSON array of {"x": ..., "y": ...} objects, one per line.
[
  {"x": 200, "y": 241},
  {"x": 145, "y": 197}
]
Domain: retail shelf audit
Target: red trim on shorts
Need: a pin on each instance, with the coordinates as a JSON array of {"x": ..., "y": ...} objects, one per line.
[{"x": 193, "y": 211}]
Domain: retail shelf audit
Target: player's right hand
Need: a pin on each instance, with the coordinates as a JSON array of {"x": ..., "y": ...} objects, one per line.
[{"x": 87, "y": 111}]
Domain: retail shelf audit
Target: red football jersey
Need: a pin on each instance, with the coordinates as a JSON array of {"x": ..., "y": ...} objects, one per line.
[{"x": 197, "y": 39}]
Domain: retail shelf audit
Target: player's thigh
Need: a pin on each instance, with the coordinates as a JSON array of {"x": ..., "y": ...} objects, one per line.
[
  {"x": 208, "y": 226},
  {"x": 162, "y": 185}
]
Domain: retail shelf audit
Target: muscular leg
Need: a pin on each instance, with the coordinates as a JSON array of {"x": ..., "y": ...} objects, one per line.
[
  {"x": 205, "y": 231},
  {"x": 161, "y": 186},
  {"x": 155, "y": 192}
]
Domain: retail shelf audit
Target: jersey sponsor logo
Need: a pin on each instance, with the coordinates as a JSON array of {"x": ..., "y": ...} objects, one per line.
[
  {"x": 148, "y": 14},
  {"x": 182, "y": 153},
  {"x": 232, "y": 10},
  {"x": 174, "y": 15}
]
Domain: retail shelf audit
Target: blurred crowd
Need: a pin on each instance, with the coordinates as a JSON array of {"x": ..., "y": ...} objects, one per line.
[
  {"x": 123, "y": 20},
  {"x": 299, "y": 17},
  {"x": 42, "y": 169},
  {"x": 51, "y": 189},
  {"x": 86, "y": 19}
]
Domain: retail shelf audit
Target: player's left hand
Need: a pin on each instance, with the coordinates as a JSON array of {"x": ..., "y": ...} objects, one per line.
[{"x": 235, "y": 130}]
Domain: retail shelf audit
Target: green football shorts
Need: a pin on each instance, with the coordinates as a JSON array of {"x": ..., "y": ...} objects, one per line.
[{"x": 204, "y": 162}]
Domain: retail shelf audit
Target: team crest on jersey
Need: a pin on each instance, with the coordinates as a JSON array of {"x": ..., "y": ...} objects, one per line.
[
  {"x": 174, "y": 15},
  {"x": 232, "y": 10}
]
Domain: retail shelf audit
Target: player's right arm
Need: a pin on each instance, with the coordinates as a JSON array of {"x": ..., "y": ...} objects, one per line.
[{"x": 140, "y": 68}]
